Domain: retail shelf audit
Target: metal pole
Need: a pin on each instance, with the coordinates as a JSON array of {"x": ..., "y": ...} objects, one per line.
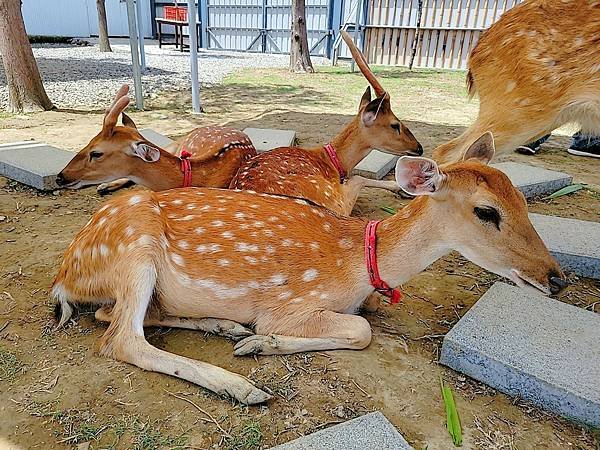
[
  {"x": 135, "y": 57},
  {"x": 194, "y": 55},
  {"x": 356, "y": 25},
  {"x": 140, "y": 28}
]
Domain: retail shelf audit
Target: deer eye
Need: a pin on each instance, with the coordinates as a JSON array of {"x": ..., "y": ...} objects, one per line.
[
  {"x": 396, "y": 126},
  {"x": 488, "y": 215},
  {"x": 95, "y": 155}
]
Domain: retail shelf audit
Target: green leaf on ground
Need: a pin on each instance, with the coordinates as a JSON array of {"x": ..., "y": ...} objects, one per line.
[
  {"x": 452, "y": 419},
  {"x": 565, "y": 191},
  {"x": 388, "y": 209}
]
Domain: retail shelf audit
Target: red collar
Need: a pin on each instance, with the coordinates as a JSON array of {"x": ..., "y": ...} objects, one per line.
[
  {"x": 186, "y": 168},
  {"x": 371, "y": 259},
  {"x": 333, "y": 157}
]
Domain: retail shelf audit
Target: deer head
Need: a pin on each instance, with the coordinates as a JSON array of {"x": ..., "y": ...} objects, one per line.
[
  {"x": 109, "y": 155},
  {"x": 494, "y": 229},
  {"x": 377, "y": 123}
]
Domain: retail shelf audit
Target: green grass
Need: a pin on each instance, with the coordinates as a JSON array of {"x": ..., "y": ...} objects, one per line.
[
  {"x": 10, "y": 365},
  {"x": 247, "y": 437}
]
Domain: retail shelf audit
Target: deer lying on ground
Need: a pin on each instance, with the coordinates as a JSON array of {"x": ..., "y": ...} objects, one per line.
[
  {"x": 322, "y": 174},
  {"x": 211, "y": 259},
  {"x": 535, "y": 69},
  {"x": 118, "y": 155}
]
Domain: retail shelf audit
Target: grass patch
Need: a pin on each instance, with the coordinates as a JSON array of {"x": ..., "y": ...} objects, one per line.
[
  {"x": 247, "y": 437},
  {"x": 10, "y": 365}
]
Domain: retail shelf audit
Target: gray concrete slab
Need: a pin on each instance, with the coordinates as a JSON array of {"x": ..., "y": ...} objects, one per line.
[
  {"x": 574, "y": 243},
  {"x": 533, "y": 347},
  {"x": 156, "y": 138},
  {"x": 369, "y": 432},
  {"x": 375, "y": 165},
  {"x": 35, "y": 165},
  {"x": 267, "y": 139},
  {"x": 534, "y": 181}
]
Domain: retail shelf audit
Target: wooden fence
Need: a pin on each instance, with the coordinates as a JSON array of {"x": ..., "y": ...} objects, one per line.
[{"x": 441, "y": 34}]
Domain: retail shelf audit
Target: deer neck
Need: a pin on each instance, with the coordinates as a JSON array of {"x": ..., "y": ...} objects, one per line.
[
  {"x": 410, "y": 241},
  {"x": 350, "y": 146},
  {"x": 163, "y": 174}
]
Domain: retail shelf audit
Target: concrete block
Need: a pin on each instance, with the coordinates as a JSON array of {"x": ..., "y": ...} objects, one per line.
[
  {"x": 156, "y": 138},
  {"x": 574, "y": 243},
  {"x": 375, "y": 165},
  {"x": 528, "y": 345},
  {"x": 35, "y": 165},
  {"x": 267, "y": 139},
  {"x": 534, "y": 181},
  {"x": 369, "y": 432}
]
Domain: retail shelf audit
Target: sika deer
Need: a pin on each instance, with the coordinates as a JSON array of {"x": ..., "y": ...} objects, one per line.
[
  {"x": 535, "y": 69},
  {"x": 322, "y": 174},
  {"x": 121, "y": 153},
  {"x": 212, "y": 259}
]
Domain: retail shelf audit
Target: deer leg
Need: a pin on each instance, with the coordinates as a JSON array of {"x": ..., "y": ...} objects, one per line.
[
  {"x": 112, "y": 186},
  {"x": 124, "y": 340},
  {"x": 327, "y": 331},
  {"x": 221, "y": 327}
]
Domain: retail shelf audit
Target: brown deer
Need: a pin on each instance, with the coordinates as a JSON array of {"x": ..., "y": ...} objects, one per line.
[
  {"x": 118, "y": 155},
  {"x": 212, "y": 259},
  {"x": 322, "y": 174},
  {"x": 535, "y": 69}
]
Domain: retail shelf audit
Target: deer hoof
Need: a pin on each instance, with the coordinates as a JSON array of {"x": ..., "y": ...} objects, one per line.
[
  {"x": 248, "y": 394},
  {"x": 236, "y": 332},
  {"x": 256, "y": 345},
  {"x": 103, "y": 189}
]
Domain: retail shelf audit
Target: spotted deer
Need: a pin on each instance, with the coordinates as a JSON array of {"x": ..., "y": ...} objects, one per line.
[
  {"x": 322, "y": 174},
  {"x": 220, "y": 260},
  {"x": 119, "y": 155},
  {"x": 535, "y": 69}
]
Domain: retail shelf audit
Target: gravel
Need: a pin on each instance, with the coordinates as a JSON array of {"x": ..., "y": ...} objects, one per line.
[{"x": 84, "y": 78}]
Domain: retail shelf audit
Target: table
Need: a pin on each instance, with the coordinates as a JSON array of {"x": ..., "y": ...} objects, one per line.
[{"x": 178, "y": 24}]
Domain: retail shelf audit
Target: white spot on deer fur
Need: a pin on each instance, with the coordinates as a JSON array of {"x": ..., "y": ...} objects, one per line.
[
  {"x": 201, "y": 249},
  {"x": 101, "y": 222},
  {"x": 326, "y": 227},
  {"x": 156, "y": 209},
  {"x": 284, "y": 295},
  {"x": 310, "y": 274},
  {"x": 269, "y": 233},
  {"x": 345, "y": 243},
  {"x": 177, "y": 259},
  {"x": 104, "y": 250},
  {"x": 223, "y": 262},
  {"x": 121, "y": 248},
  {"x": 217, "y": 223},
  {"x": 113, "y": 211},
  {"x": 183, "y": 245},
  {"x": 273, "y": 219},
  {"x": 259, "y": 224},
  {"x": 221, "y": 290},
  {"x": 205, "y": 208},
  {"x": 227, "y": 234},
  {"x": 129, "y": 231},
  {"x": 244, "y": 247},
  {"x": 199, "y": 230},
  {"x": 510, "y": 86},
  {"x": 239, "y": 215},
  {"x": 281, "y": 226},
  {"x": 314, "y": 245},
  {"x": 250, "y": 259},
  {"x": 254, "y": 206},
  {"x": 253, "y": 284},
  {"x": 339, "y": 262},
  {"x": 177, "y": 202},
  {"x": 191, "y": 206},
  {"x": 323, "y": 296},
  {"x": 135, "y": 200},
  {"x": 186, "y": 218},
  {"x": 287, "y": 242},
  {"x": 270, "y": 249},
  {"x": 278, "y": 279},
  {"x": 214, "y": 248}
]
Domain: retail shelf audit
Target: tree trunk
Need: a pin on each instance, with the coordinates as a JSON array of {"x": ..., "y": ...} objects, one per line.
[
  {"x": 103, "y": 41},
  {"x": 299, "y": 52},
  {"x": 25, "y": 89}
]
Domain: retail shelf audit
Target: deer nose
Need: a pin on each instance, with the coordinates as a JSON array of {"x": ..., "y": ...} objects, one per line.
[
  {"x": 60, "y": 179},
  {"x": 420, "y": 150},
  {"x": 557, "y": 283}
]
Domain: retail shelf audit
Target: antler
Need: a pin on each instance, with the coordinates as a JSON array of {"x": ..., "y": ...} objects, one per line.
[
  {"x": 117, "y": 106},
  {"x": 362, "y": 64}
]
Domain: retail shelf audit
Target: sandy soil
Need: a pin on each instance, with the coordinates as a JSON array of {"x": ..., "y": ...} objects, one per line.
[{"x": 57, "y": 392}]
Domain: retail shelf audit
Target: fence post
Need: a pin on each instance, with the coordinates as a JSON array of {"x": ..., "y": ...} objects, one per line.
[
  {"x": 203, "y": 15},
  {"x": 336, "y": 10}
]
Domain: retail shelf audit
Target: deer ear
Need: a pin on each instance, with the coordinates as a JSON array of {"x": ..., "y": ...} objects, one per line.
[
  {"x": 381, "y": 105},
  {"x": 418, "y": 176},
  {"x": 128, "y": 121},
  {"x": 482, "y": 149},
  {"x": 145, "y": 151},
  {"x": 366, "y": 98}
]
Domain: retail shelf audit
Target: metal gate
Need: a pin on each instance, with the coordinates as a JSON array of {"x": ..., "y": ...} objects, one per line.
[{"x": 264, "y": 25}]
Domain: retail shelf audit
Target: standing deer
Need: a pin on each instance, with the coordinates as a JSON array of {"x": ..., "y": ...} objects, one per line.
[
  {"x": 322, "y": 174},
  {"x": 211, "y": 259},
  {"x": 119, "y": 155},
  {"x": 535, "y": 69}
]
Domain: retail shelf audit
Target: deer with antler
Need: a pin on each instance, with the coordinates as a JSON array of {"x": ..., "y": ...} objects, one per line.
[
  {"x": 322, "y": 174},
  {"x": 535, "y": 69},
  {"x": 219, "y": 260},
  {"x": 118, "y": 155}
]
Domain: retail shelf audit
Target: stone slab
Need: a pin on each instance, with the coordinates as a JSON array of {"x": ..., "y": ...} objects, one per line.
[
  {"x": 267, "y": 139},
  {"x": 534, "y": 181},
  {"x": 574, "y": 243},
  {"x": 531, "y": 346},
  {"x": 156, "y": 138},
  {"x": 35, "y": 165},
  {"x": 375, "y": 165},
  {"x": 369, "y": 432}
]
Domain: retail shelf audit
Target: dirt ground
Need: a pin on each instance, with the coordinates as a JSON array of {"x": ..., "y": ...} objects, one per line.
[{"x": 57, "y": 392}]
